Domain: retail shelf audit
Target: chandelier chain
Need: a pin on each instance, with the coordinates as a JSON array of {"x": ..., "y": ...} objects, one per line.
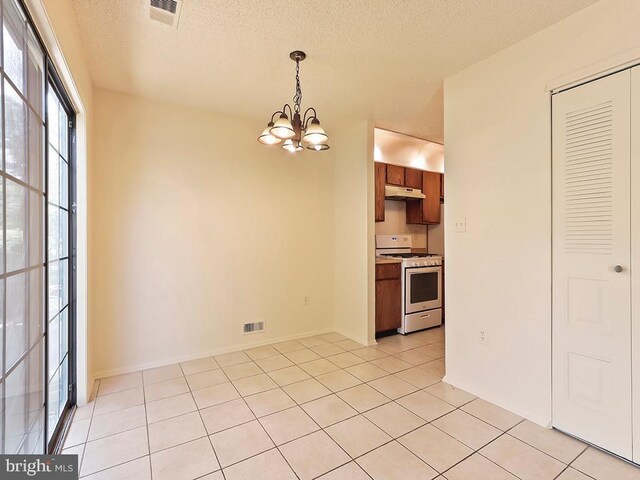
[{"x": 297, "y": 98}]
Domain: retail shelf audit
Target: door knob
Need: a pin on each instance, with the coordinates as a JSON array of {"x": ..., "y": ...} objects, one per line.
[{"x": 618, "y": 268}]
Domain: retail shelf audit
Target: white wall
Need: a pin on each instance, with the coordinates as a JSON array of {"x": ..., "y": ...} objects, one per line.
[
  {"x": 354, "y": 232},
  {"x": 498, "y": 274},
  {"x": 196, "y": 228},
  {"x": 395, "y": 222},
  {"x": 435, "y": 235}
]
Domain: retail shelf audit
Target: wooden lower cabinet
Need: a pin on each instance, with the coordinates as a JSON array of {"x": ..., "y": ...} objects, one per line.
[{"x": 388, "y": 297}]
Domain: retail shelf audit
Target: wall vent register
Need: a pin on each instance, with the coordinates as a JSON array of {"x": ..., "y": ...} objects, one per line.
[{"x": 254, "y": 327}]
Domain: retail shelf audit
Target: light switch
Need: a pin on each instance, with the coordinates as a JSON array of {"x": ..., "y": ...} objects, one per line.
[{"x": 461, "y": 225}]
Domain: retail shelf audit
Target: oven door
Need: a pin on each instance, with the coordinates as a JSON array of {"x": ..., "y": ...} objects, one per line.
[{"x": 423, "y": 288}]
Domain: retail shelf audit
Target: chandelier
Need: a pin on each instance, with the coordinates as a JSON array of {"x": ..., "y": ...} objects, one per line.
[{"x": 303, "y": 129}]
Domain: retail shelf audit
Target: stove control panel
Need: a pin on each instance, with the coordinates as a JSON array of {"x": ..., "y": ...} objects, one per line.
[{"x": 422, "y": 262}]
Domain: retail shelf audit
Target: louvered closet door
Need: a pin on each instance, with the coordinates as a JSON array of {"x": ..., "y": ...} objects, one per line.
[{"x": 591, "y": 236}]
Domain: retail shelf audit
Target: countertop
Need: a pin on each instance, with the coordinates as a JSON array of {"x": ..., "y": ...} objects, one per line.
[{"x": 385, "y": 260}]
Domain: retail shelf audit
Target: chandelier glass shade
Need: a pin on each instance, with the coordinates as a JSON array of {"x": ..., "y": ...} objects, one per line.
[
  {"x": 295, "y": 130},
  {"x": 266, "y": 138}
]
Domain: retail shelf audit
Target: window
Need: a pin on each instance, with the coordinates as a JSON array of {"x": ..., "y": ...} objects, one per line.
[{"x": 34, "y": 182}]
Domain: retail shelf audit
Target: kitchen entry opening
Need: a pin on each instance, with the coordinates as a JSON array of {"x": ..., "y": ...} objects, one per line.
[{"x": 37, "y": 238}]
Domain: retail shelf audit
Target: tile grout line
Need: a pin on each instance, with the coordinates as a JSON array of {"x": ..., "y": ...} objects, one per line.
[
  {"x": 203, "y": 426},
  {"x": 276, "y": 446},
  {"x": 296, "y": 405},
  {"x": 323, "y": 429},
  {"x": 332, "y": 392},
  {"x": 280, "y": 387},
  {"x": 84, "y": 445},
  {"x": 299, "y": 406},
  {"x": 480, "y": 453},
  {"x": 146, "y": 421},
  {"x": 506, "y": 432},
  {"x": 267, "y": 373}
]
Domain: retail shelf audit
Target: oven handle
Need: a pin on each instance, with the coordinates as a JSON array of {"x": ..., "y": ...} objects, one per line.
[{"x": 423, "y": 269}]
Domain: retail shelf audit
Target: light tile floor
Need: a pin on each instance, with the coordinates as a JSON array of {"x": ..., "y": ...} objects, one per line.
[{"x": 320, "y": 407}]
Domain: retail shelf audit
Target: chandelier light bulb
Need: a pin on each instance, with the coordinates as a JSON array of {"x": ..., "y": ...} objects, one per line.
[
  {"x": 315, "y": 133},
  {"x": 289, "y": 146},
  {"x": 318, "y": 147}
]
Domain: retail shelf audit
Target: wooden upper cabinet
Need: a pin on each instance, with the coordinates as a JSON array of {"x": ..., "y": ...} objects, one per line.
[
  {"x": 418, "y": 212},
  {"x": 380, "y": 181},
  {"x": 413, "y": 178},
  {"x": 427, "y": 210},
  {"x": 413, "y": 212},
  {"x": 431, "y": 204},
  {"x": 395, "y": 175}
]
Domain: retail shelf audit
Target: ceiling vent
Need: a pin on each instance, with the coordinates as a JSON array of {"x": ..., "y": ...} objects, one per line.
[{"x": 165, "y": 11}]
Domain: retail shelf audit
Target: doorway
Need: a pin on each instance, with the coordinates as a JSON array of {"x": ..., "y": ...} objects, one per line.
[{"x": 594, "y": 194}]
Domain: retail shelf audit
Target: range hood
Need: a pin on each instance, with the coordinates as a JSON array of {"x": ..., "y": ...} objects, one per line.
[{"x": 391, "y": 192}]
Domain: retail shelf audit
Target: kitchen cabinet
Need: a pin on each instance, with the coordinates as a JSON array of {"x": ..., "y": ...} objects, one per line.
[
  {"x": 380, "y": 182},
  {"x": 388, "y": 297},
  {"x": 431, "y": 204},
  {"x": 413, "y": 178},
  {"x": 427, "y": 210},
  {"x": 395, "y": 175},
  {"x": 418, "y": 212}
]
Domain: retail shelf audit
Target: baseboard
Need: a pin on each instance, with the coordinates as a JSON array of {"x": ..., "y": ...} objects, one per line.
[
  {"x": 92, "y": 385},
  {"x": 357, "y": 340},
  {"x": 220, "y": 351},
  {"x": 543, "y": 421}
]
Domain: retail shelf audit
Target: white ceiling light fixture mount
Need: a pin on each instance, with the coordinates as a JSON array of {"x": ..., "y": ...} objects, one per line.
[{"x": 295, "y": 130}]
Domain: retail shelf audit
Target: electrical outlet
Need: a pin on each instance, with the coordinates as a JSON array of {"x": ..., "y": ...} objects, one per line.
[
  {"x": 483, "y": 338},
  {"x": 461, "y": 225},
  {"x": 306, "y": 299}
]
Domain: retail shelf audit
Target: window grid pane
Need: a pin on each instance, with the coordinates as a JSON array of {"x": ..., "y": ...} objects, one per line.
[{"x": 22, "y": 242}]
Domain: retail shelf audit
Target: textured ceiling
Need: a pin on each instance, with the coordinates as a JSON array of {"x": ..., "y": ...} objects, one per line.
[{"x": 384, "y": 60}]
